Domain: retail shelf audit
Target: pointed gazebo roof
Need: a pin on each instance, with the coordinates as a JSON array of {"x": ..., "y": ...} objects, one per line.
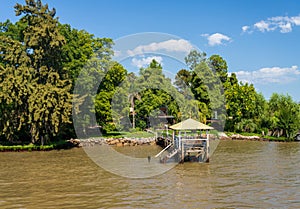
[{"x": 190, "y": 124}]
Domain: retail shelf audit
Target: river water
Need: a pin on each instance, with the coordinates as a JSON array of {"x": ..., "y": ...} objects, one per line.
[{"x": 241, "y": 174}]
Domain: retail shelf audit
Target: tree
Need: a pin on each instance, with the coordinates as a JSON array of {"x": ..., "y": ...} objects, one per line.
[
  {"x": 284, "y": 114},
  {"x": 89, "y": 64},
  {"x": 219, "y": 65},
  {"x": 132, "y": 97},
  {"x": 77, "y": 49},
  {"x": 183, "y": 80},
  {"x": 246, "y": 125},
  {"x": 151, "y": 96},
  {"x": 114, "y": 76},
  {"x": 34, "y": 84},
  {"x": 194, "y": 58},
  {"x": 242, "y": 104},
  {"x": 13, "y": 31},
  {"x": 183, "y": 77},
  {"x": 204, "y": 83}
]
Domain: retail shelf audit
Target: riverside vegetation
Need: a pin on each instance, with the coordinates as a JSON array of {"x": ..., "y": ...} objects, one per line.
[{"x": 40, "y": 60}]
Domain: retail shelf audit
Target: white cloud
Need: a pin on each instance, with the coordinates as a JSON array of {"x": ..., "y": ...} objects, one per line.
[
  {"x": 296, "y": 20},
  {"x": 262, "y": 26},
  {"x": 245, "y": 28},
  {"x": 270, "y": 75},
  {"x": 216, "y": 39},
  {"x": 145, "y": 61},
  {"x": 171, "y": 45},
  {"x": 284, "y": 24}
]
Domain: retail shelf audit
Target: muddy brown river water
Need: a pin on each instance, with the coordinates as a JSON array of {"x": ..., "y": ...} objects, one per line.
[{"x": 241, "y": 174}]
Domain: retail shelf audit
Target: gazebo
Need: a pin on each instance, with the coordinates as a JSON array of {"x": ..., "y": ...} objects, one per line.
[{"x": 191, "y": 140}]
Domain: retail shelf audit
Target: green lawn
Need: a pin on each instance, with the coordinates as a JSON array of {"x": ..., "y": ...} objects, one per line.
[
  {"x": 137, "y": 134},
  {"x": 62, "y": 144},
  {"x": 16, "y": 148},
  {"x": 273, "y": 138}
]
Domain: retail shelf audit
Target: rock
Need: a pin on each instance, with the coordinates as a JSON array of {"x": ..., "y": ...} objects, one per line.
[
  {"x": 119, "y": 144},
  {"x": 116, "y": 142},
  {"x": 224, "y": 138},
  {"x": 113, "y": 142},
  {"x": 241, "y": 137},
  {"x": 152, "y": 143},
  {"x": 74, "y": 142}
]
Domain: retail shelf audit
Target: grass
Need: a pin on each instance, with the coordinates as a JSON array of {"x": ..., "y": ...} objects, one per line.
[
  {"x": 18, "y": 148},
  {"x": 124, "y": 134},
  {"x": 274, "y": 138},
  {"x": 136, "y": 134},
  {"x": 8, "y": 147}
]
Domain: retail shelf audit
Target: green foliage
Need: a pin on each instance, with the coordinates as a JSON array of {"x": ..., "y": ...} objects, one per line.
[
  {"x": 250, "y": 112},
  {"x": 243, "y": 104},
  {"x": 219, "y": 65},
  {"x": 77, "y": 49},
  {"x": 194, "y": 58},
  {"x": 246, "y": 125},
  {"x": 41, "y": 60},
  {"x": 88, "y": 62},
  {"x": 183, "y": 80},
  {"x": 284, "y": 115},
  {"x": 114, "y": 76},
  {"x": 83, "y": 49},
  {"x": 203, "y": 83},
  {"x": 154, "y": 92},
  {"x": 13, "y": 31},
  {"x": 35, "y": 92}
]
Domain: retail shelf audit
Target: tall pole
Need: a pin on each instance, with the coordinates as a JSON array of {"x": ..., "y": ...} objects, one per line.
[
  {"x": 133, "y": 119},
  {"x": 133, "y": 114},
  {"x": 207, "y": 147}
]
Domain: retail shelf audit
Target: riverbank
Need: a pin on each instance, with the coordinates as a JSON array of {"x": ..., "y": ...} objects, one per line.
[
  {"x": 253, "y": 137},
  {"x": 112, "y": 138},
  {"x": 73, "y": 143},
  {"x": 68, "y": 144},
  {"x": 122, "y": 142},
  {"x": 119, "y": 142}
]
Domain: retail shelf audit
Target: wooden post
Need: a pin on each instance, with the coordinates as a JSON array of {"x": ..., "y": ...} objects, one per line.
[
  {"x": 207, "y": 147},
  {"x": 173, "y": 137},
  {"x": 179, "y": 140},
  {"x": 182, "y": 151}
]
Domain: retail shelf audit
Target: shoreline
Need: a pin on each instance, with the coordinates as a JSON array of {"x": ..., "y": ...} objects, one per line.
[
  {"x": 254, "y": 138},
  {"x": 118, "y": 142},
  {"x": 78, "y": 143}
]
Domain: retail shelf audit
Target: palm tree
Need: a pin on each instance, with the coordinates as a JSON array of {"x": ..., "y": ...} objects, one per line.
[{"x": 132, "y": 96}]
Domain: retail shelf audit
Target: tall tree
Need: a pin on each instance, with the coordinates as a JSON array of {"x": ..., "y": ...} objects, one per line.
[
  {"x": 203, "y": 81},
  {"x": 114, "y": 76},
  {"x": 183, "y": 80},
  {"x": 244, "y": 105},
  {"x": 39, "y": 96},
  {"x": 194, "y": 58},
  {"x": 284, "y": 114},
  {"x": 219, "y": 65}
]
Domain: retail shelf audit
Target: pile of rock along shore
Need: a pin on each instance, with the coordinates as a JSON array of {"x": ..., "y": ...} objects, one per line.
[
  {"x": 119, "y": 142},
  {"x": 241, "y": 137}
]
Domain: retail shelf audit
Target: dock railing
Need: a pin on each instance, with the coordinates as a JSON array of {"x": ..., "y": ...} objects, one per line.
[{"x": 161, "y": 152}]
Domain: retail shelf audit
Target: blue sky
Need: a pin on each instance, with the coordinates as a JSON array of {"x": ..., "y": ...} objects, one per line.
[{"x": 259, "y": 39}]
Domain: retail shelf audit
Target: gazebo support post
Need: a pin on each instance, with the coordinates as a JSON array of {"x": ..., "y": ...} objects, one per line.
[{"x": 207, "y": 147}]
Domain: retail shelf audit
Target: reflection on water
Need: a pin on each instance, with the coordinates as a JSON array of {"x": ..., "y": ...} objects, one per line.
[{"x": 239, "y": 175}]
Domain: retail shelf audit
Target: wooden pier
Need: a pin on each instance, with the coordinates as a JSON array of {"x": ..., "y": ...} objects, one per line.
[{"x": 189, "y": 142}]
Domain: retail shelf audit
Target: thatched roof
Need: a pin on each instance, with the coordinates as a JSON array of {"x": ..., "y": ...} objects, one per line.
[{"x": 190, "y": 124}]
